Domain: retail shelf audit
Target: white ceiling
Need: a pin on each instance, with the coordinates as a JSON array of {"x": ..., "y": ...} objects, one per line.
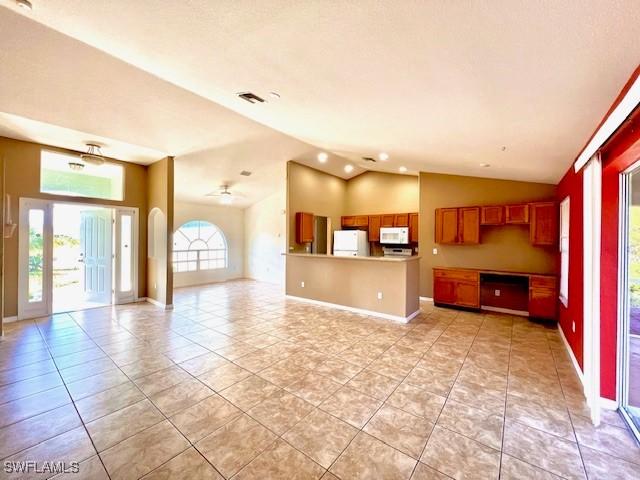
[{"x": 440, "y": 86}]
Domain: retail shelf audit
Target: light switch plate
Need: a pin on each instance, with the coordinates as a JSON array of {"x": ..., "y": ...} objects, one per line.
[
  {"x": 435, "y": 251},
  {"x": 302, "y": 284},
  {"x": 497, "y": 293},
  {"x": 379, "y": 295}
]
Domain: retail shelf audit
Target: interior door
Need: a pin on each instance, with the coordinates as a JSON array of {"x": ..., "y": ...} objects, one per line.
[
  {"x": 126, "y": 247},
  {"x": 95, "y": 245},
  {"x": 35, "y": 258}
]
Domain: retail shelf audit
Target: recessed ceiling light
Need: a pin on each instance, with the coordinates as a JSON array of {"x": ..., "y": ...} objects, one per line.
[
  {"x": 323, "y": 157},
  {"x": 383, "y": 156},
  {"x": 402, "y": 169},
  {"x": 348, "y": 168},
  {"x": 274, "y": 94},
  {"x": 503, "y": 148},
  {"x": 26, "y": 4},
  {"x": 485, "y": 165}
]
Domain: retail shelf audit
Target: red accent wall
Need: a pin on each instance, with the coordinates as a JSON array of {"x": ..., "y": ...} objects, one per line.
[
  {"x": 618, "y": 155},
  {"x": 571, "y": 186}
]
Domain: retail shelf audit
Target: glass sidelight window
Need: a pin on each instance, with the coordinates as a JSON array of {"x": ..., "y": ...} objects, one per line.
[{"x": 36, "y": 255}]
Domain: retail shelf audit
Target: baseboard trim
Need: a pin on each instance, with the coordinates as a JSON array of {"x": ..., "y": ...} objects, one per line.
[
  {"x": 386, "y": 316},
  {"x": 426, "y": 299},
  {"x": 576, "y": 365},
  {"x": 159, "y": 304},
  {"x": 488, "y": 308},
  {"x": 10, "y": 319},
  {"x": 608, "y": 404}
]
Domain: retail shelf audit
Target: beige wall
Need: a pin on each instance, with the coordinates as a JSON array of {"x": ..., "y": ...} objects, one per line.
[
  {"x": 22, "y": 179},
  {"x": 310, "y": 190},
  {"x": 377, "y": 192},
  {"x": 231, "y": 222},
  {"x": 355, "y": 282},
  {"x": 265, "y": 238},
  {"x": 160, "y": 197},
  {"x": 501, "y": 247},
  {"x": 322, "y": 194}
]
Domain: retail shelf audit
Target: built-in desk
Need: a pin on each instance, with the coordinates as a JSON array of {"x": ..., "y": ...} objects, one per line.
[
  {"x": 383, "y": 286},
  {"x": 523, "y": 293}
]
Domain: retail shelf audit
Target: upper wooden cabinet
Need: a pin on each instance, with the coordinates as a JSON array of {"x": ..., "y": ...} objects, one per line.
[
  {"x": 348, "y": 221},
  {"x": 516, "y": 214},
  {"x": 387, "y": 220},
  {"x": 446, "y": 225},
  {"x": 457, "y": 225},
  {"x": 304, "y": 227},
  {"x": 374, "y": 228},
  {"x": 492, "y": 215},
  {"x": 414, "y": 227},
  {"x": 401, "y": 220},
  {"x": 469, "y": 226},
  {"x": 544, "y": 223}
]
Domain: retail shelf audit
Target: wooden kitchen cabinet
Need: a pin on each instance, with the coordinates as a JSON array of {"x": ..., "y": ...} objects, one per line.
[
  {"x": 469, "y": 225},
  {"x": 304, "y": 227},
  {"x": 374, "y": 228},
  {"x": 446, "y": 226},
  {"x": 361, "y": 220},
  {"x": 414, "y": 227},
  {"x": 543, "y": 297},
  {"x": 456, "y": 287},
  {"x": 492, "y": 215},
  {"x": 543, "y": 229},
  {"x": 401, "y": 220},
  {"x": 516, "y": 214},
  {"x": 348, "y": 221},
  {"x": 387, "y": 220}
]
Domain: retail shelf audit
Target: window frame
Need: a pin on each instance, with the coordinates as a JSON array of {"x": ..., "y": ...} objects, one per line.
[
  {"x": 73, "y": 155},
  {"x": 564, "y": 249},
  {"x": 199, "y": 252}
]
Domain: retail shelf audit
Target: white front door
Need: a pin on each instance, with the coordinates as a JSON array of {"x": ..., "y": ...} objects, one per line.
[{"x": 96, "y": 253}]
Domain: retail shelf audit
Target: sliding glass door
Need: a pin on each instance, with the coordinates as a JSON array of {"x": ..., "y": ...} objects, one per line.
[{"x": 629, "y": 299}]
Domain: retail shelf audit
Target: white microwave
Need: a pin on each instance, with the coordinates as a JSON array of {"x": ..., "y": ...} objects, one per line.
[{"x": 394, "y": 235}]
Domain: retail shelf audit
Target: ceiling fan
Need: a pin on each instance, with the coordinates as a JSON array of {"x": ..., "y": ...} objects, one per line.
[{"x": 226, "y": 197}]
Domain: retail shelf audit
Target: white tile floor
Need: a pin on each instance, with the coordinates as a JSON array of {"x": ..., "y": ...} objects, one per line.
[{"x": 239, "y": 382}]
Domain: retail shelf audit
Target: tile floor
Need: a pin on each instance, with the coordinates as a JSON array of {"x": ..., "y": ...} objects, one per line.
[{"x": 238, "y": 382}]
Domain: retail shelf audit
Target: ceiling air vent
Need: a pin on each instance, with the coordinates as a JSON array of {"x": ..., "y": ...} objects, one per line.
[
  {"x": 369, "y": 159},
  {"x": 251, "y": 97},
  {"x": 245, "y": 173}
]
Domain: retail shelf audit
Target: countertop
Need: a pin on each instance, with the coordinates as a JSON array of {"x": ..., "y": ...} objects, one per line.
[
  {"x": 498, "y": 272},
  {"x": 375, "y": 259}
]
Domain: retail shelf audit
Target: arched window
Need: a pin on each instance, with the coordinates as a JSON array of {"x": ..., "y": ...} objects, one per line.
[{"x": 199, "y": 245}]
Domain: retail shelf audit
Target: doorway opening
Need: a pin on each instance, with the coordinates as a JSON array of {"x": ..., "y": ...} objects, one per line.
[
  {"x": 82, "y": 254},
  {"x": 75, "y": 256},
  {"x": 629, "y": 299}
]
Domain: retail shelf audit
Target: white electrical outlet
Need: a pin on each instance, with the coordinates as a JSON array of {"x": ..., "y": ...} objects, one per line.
[
  {"x": 379, "y": 295},
  {"x": 497, "y": 293},
  {"x": 435, "y": 251},
  {"x": 573, "y": 326},
  {"x": 302, "y": 284}
]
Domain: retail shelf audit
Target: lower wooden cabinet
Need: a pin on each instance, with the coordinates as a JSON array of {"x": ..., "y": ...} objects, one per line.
[
  {"x": 456, "y": 287},
  {"x": 461, "y": 288},
  {"x": 543, "y": 297},
  {"x": 304, "y": 227}
]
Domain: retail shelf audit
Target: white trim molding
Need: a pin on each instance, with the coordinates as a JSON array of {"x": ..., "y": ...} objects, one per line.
[
  {"x": 10, "y": 319},
  {"x": 628, "y": 103},
  {"x": 159, "y": 304},
  {"x": 571, "y": 355},
  {"x": 386, "y": 316},
  {"x": 426, "y": 299},
  {"x": 592, "y": 215}
]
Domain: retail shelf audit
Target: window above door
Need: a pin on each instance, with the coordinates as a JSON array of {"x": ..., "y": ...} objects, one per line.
[{"x": 66, "y": 174}]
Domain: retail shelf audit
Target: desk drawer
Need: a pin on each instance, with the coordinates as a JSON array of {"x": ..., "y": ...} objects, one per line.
[
  {"x": 467, "y": 275},
  {"x": 539, "y": 281}
]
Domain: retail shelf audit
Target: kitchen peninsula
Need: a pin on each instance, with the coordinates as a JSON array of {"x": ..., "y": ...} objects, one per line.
[{"x": 387, "y": 287}]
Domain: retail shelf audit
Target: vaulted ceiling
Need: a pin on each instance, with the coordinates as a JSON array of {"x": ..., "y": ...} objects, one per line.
[{"x": 440, "y": 86}]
